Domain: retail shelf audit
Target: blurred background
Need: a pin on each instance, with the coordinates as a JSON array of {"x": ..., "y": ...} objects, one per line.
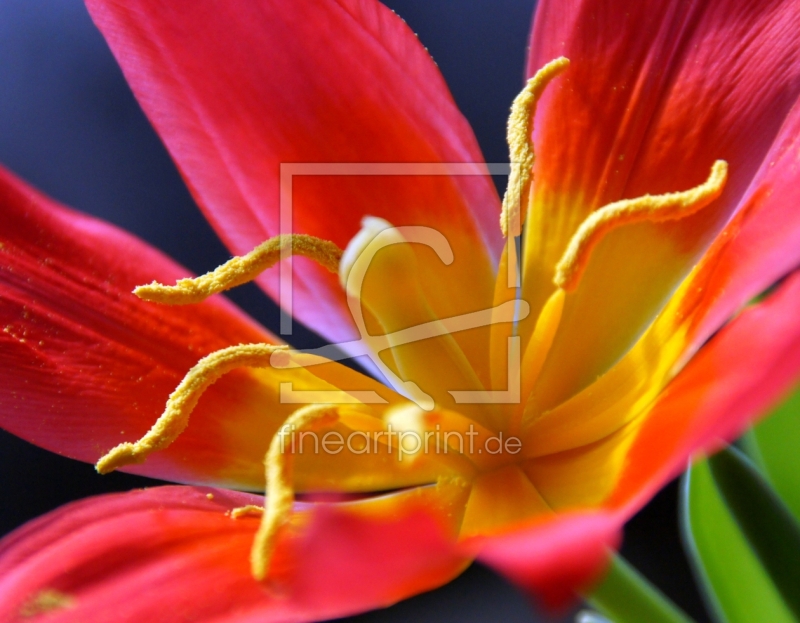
[{"x": 70, "y": 126}]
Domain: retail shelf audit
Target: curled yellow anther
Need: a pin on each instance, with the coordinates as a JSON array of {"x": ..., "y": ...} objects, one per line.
[
  {"x": 184, "y": 399},
  {"x": 280, "y": 493},
  {"x": 653, "y": 208},
  {"x": 242, "y": 269},
  {"x": 520, "y": 144}
]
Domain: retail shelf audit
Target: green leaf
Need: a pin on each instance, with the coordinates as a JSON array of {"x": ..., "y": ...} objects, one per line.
[
  {"x": 736, "y": 586},
  {"x": 777, "y": 441},
  {"x": 625, "y": 596},
  {"x": 766, "y": 522}
]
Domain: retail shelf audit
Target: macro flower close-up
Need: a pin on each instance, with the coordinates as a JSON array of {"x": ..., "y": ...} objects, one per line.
[{"x": 505, "y": 378}]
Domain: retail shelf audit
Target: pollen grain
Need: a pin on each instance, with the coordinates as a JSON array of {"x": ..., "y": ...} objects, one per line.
[{"x": 249, "y": 510}]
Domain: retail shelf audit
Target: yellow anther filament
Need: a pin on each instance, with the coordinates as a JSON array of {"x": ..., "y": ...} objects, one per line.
[
  {"x": 520, "y": 144},
  {"x": 240, "y": 270},
  {"x": 653, "y": 208},
  {"x": 184, "y": 399},
  {"x": 280, "y": 493}
]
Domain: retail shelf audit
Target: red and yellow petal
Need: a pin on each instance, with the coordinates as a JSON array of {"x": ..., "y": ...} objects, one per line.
[
  {"x": 236, "y": 91},
  {"x": 580, "y": 452},
  {"x": 759, "y": 246},
  {"x": 644, "y": 425},
  {"x": 86, "y": 365},
  {"x": 737, "y": 376},
  {"x": 595, "y": 488},
  {"x": 646, "y": 106},
  {"x": 175, "y": 554},
  {"x": 385, "y": 548},
  {"x": 756, "y": 249},
  {"x": 583, "y": 477}
]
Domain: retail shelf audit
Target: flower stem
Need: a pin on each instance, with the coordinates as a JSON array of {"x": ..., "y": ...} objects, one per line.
[{"x": 626, "y": 596}]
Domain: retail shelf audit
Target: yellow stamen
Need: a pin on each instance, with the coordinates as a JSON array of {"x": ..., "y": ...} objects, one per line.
[
  {"x": 183, "y": 400},
  {"x": 520, "y": 144},
  {"x": 242, "y": 269},
  {"x": 280, "y": 494},
  {"x": 656, "y": 209}
]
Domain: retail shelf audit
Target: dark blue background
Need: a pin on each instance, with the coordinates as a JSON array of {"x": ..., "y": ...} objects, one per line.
[{"x": 70, "y": 126}]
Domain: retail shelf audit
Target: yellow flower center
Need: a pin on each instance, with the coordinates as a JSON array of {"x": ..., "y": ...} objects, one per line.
[{"x": 449, "y": 408}]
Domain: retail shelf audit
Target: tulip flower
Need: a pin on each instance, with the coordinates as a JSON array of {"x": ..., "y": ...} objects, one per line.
[{"x": 536, "y": 396}]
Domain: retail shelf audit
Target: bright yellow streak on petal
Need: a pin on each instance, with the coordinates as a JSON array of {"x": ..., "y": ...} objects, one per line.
[
  {"x": 240, "y": 270},
  {"x": 586, "y": 476},
  {"x": 379, "y": 270},
  {"x": 280, "y": 494},
  {"x": 505, "y": 290},
  {"x": 618, "y": 397},
  {"x": 520, "y": 144},
  {"x": 652, "y": 208},
  {"x": 184, "y": 399},
  {"x": 501, "y": 498},
  {"x": 539, "y": 347},
  {"x": 371, "y": 462}
]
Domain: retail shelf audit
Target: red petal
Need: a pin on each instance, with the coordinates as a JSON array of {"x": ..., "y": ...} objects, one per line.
[
  {"x": 241, "y": 89},
  {"x": 352, "y": 558},
  {"x": 758, "y": 247},
  {"x": 737, "y": 376},
  {"x": 118, "y": 555},
  {"x": 653, "y": 95},
  {"x": 554, "y": 560},
  {"x": 85, "y": 365},
  {"x": 171, "y": 554}
]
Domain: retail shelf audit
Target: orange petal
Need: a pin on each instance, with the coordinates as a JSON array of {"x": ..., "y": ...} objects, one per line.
[{"x": 736, "y": 377}]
